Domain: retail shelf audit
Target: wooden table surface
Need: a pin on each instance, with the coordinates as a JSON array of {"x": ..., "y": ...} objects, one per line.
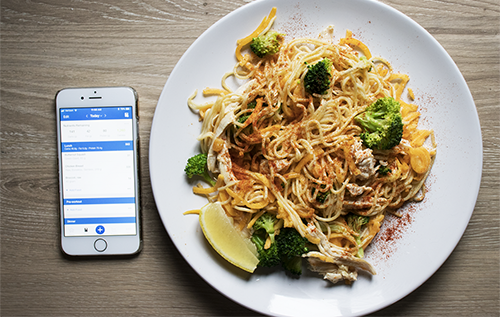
[{"x": 47, "y": 45}]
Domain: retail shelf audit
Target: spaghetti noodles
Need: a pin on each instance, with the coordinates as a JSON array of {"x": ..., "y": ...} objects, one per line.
[{"x": 280, "y": 150}]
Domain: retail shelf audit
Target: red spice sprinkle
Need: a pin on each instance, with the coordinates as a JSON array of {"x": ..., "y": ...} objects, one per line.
[
  {"x": 296, "y": 26},
  {"x": 393, "y": 229}
]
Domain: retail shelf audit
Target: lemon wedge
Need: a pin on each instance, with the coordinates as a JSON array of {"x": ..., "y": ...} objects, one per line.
[{"x": 220, "y": 232}]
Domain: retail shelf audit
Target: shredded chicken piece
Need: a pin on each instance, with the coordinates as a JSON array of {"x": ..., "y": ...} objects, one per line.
[
  {"x": 279, "y": 165},
  {"x": 357, "y": 190},
  {"x": 332, "y": 272},
  {"x": 402, "y": 147},
  {"x": 333, "y": 257},
  {"x": 225, "y": 164},
  {"x": 364, "y": 160},
  {"x": 363, "y": 203},
  {"x": 327, "y": 34}
]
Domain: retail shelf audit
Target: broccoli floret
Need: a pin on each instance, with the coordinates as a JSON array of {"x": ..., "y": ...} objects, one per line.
[
  {"x": 267, "y": 257},
  {"x": 293, "y": 265},
  {"x": 355, "y": 222},
  {"x": 321, "y": 196},
  {"x": 266, "y": 222},
  {"x": 363, "y": 58},
  {"x": 286, "y": 248},
  {"x": 250, "y": 105},
  {"x": 244, "y": 118},
  {"x": 266, "y": 44},
  {"x": 382, "y": 124},
  {"x": 383, "y": 170},
  {"x": 197, "y": 165},
  {"x": 317, "y": 79},
  {"x": 263, "y": 227},
  {"x": 248, "y": 129},
  {"x": 291, "y": 245}
]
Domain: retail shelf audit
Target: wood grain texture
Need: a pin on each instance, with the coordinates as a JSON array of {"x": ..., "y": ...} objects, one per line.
[{"x": 48, "y": 45}]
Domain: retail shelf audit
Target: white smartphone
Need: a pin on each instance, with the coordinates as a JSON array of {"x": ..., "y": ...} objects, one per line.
[{"x": 98, "y": 143}]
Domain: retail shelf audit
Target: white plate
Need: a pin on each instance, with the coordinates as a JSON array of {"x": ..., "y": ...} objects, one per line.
[{"x": 407, "y": 252}]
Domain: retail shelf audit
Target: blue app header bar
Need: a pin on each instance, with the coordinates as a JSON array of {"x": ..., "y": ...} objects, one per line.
[
  {"x": 100, "y": 113},
  {"x": 96, "y": 146}
]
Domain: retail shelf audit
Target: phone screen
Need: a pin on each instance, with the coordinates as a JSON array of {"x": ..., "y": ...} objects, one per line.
[{"x": 98, "y": 176}]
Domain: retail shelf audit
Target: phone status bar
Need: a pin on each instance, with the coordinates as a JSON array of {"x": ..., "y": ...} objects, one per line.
[{"x": 101, "y": 113}]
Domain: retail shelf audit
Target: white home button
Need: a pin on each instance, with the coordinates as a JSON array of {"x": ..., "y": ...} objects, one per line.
[{"x": 100, "y": 245}]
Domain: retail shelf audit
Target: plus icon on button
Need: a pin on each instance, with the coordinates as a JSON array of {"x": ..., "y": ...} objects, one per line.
[{"x": 99, "y": 229}]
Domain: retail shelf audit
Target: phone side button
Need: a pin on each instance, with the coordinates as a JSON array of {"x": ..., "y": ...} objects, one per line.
[{"x": 100, "y": 245}]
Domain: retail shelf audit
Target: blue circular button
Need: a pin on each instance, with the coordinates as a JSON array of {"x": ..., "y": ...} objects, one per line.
[{"x": 99, "y": 229}]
